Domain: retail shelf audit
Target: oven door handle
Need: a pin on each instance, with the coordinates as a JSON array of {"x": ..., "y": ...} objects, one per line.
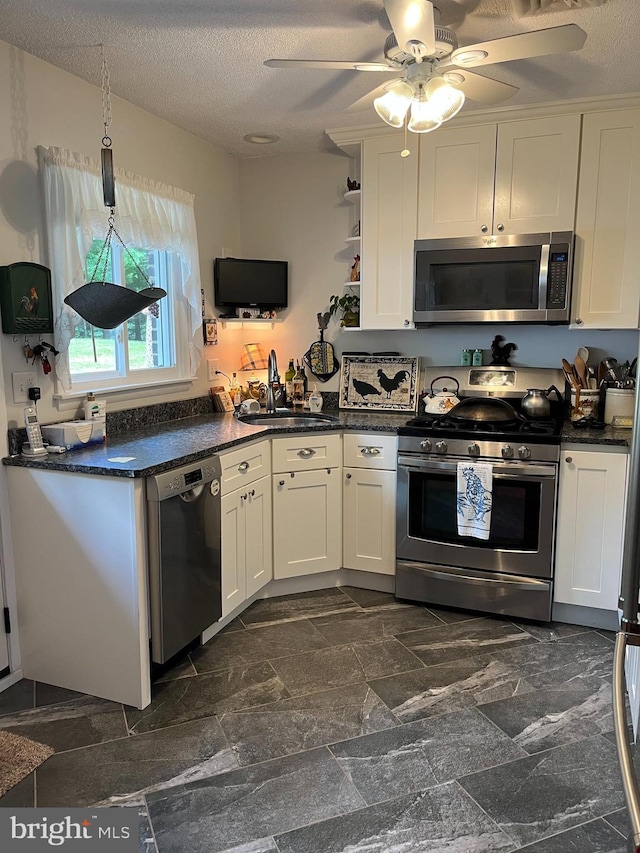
[
  {"x": 500, "y": 470},
  {"x": 450, "y": 576}
]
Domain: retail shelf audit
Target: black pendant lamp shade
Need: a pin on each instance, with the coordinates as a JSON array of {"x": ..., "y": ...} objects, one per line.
[{"x": 107, "y": 306}]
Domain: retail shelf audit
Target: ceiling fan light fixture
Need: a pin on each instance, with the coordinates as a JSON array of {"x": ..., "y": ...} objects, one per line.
[
  {"x": 468, "y": 57},
  {"x": 422, "y": 118},
  {"x": 444, "y": 100},
  {"x": 392, "y": 107}
]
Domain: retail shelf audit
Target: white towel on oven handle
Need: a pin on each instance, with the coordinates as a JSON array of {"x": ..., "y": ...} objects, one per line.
[{"x": 474, "y": 498}]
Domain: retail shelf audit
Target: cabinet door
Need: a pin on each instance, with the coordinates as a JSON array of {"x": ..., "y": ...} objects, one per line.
[
  {"x": 369, "y": 518},
  {"x": 389, "y": 205},
  {"x": 455, "y": 196},
  {"x": 307, "y": 523},
  {"x": 536, "y": 175},
  {"x": 258, "y": 539},
  {"x": 234, "y": 585},
  {"x": 607, "y": 254},
  {"x": 591, "y": 508}
]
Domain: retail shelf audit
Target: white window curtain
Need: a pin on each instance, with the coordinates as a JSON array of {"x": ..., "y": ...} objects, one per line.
[{"x": 149, "y": 215}]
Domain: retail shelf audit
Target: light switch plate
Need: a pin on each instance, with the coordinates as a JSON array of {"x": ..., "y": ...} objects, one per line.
[
  {"x": 212, "y": 366},
  {"x": 21, "y": 383}
]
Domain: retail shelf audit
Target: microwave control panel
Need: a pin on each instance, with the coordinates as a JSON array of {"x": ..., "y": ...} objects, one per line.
[{"x": 557, "y": 277}]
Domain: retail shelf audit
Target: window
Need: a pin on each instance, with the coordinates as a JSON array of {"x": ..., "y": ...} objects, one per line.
[{"x": 156, "y": 223}]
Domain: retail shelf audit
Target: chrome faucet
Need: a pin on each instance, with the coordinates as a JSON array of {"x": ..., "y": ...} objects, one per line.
[{"x": 273, "y": 382}]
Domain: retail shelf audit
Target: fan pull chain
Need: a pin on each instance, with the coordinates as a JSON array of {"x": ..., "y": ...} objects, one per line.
[{"x": 405, "y": 151}]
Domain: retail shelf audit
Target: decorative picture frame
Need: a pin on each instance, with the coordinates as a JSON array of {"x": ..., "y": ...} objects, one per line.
[
  {"x": 379, "y": 383},
  {"x": 210, "y": 331}
]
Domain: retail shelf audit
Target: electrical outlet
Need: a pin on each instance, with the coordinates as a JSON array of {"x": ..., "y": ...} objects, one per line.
[
  {"x": 212, "y": 366},
  {"x": 21, "y": 383}
]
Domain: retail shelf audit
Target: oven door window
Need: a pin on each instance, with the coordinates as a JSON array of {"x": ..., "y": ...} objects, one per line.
[{"x": 515, "y": 515}]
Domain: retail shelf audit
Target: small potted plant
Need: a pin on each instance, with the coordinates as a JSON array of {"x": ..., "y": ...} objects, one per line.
[{"x": 349, "y": 306}]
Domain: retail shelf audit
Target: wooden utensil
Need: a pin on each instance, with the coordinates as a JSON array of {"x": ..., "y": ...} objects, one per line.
[
  {"x": 581, "y": 370},
  {"x": 569, "y": 373}
]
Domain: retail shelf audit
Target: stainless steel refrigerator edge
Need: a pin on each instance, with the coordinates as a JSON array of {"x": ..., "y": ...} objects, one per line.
[{"x": 184, "y": 525}]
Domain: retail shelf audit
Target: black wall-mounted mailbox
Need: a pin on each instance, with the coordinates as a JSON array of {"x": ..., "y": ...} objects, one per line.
[{"x": 25, "y": 299}]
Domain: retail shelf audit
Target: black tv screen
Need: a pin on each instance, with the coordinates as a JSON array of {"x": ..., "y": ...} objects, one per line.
[{"x": 242, "y": 283}]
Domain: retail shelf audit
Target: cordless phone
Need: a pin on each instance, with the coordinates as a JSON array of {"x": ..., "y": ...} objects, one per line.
[{"x": 34, "y": 436}]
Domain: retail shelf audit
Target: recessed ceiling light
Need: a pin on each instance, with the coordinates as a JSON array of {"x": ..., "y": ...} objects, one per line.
[{"x": 261, "y": 138}]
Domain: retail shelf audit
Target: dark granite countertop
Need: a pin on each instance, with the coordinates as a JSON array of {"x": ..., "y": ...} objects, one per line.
[{"x": 153, "y": 449}]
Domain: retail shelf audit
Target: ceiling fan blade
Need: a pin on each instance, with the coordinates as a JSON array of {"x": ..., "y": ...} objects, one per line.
[
  {"x": 524, "y": 46},
  {"x": 413, "y": 26},
  {"x": 479, "y": 88},
  {"x": 328, "y": 65},
  {"x": 366, "y": 101}
]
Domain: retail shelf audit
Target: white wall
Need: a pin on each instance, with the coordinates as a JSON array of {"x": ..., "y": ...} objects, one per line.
[
  {"x": 291, "y": 207},
  {"x": 42, "y": 105}
]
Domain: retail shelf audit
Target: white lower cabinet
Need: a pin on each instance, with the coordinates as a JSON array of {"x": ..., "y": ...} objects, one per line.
[
  {"x": 246, "y": 543},
  {"x": 590, "y": 528},
  {"x": 369, "y": 502},
  {"x": 307, "y": 522}
]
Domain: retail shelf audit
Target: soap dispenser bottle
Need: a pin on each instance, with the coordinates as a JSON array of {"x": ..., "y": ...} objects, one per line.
[{"x": 315, "y": 400}]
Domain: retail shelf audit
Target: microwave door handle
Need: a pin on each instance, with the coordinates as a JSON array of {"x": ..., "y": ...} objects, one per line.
[{"x": 542, "y": 280}]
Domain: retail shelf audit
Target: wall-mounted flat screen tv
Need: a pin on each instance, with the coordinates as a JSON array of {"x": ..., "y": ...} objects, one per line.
[{"x": 245, "y": 283}]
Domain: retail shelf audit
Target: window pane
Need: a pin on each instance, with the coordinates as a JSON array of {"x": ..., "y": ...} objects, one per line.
[
  {"x": 150, "y": 332},
  {"x": 83, "y": 358}
]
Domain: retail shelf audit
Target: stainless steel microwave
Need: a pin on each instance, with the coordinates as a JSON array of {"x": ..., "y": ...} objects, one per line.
[{"x": 512, "y": 278}]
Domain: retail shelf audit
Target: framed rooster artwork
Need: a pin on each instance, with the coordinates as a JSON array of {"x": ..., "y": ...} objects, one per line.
[{"x": 379, "y": 383}]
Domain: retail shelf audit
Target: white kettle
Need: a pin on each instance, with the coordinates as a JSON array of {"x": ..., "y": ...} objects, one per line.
[{"x": 440, "y": 402}]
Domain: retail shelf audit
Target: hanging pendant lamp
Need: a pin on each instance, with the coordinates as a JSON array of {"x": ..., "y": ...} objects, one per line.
[{"x": 100, "y": 302}]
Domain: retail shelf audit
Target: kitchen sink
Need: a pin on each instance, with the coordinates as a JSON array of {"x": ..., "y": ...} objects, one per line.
[{"x": 285, "y": 420}]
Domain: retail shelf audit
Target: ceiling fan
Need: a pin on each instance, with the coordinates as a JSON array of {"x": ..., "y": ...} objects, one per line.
[{"x": 433, "y": 71}]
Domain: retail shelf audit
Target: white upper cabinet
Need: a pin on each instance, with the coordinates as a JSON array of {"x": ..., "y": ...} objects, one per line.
[
  {"x": 517, "y": 177},
  {"x": 389, "y": 206},
  {"x": 607, "y": 254}
]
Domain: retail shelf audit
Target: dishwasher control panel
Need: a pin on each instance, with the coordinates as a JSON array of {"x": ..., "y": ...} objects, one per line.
[{"x": 183, "y": 479}]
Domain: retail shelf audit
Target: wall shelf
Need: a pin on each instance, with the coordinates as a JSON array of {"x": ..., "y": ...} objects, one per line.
[
  {"x": 352, "y": 196},
  {"x": 249, "y": 321},
  {"x": 352, "y": 240}
]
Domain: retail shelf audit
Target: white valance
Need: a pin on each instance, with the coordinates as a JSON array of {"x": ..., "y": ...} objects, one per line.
[{"x": 149, "y": 215}]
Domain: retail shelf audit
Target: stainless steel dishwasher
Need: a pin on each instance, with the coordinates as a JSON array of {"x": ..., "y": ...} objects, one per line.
[{"x": 183, "y": 514}]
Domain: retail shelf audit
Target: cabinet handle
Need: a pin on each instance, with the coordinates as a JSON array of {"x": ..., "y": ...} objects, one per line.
[
  {"x": 243, "y": 466},
  {"x": 306, "y": 452},
  {"x": 348, "y": 476},
  {"x": 578, "y": 321},
  {"x": 281, "y": 483},
  {"x": 370, "y": 451},
  {"x": 252, "y": 493},
  {"x": 407, "y": 322},
  {"x": 243, "y": 498},
  {"x": 484, "y": 229},
  {"x": 500, "y": 226},
  {"x": 568, "y": 459}
]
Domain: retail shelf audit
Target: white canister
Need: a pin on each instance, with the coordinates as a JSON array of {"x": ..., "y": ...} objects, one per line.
[
  {"x": 588, "y": 406},
  {"x": 619, "y": 402}
]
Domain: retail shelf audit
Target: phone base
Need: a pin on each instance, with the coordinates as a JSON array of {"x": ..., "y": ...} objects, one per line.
[{"x": 32, "y": 453}]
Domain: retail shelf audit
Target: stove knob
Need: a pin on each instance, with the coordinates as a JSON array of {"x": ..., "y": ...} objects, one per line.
[
  {"x": 507, "y": 451},
  {"x": 425, "y": 444},
  {"x": 441, "y": 446},
  {"x": 524, "y": 452},
  {"x": 474, "y": 449}
]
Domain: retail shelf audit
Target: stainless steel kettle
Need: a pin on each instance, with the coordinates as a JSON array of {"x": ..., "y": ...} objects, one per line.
[{"x": 535, "y": 403}]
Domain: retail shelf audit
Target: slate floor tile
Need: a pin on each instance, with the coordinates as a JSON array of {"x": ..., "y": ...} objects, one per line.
[
  {"x": 122, "y": 771},
  {"x": 233, "y": 809},
  {"x": 204, "y": 695},
  {"x": 340, "y": 665},
  {"x": 146, "y": 841},
  {"x": 449, "y": 687},
  {"x": 262, "y": 845},
  {"x": 458, "y": 640},
  {"x": 449, "y": 615},
  {"x": 540, "y": 720},
  {"x": 423, "y": 754},
  {"x": 71, "y": 724},
  {"x": 546, "y": 632},
  {"x": 239, "y": 648},
  {"x": 18, "y": 697},
  {"x": 619, "y": 820},
  {"x": 372, "y": 598},
  {"x": 593, "y": 837},
  {"x": 434, "y": 821},
  {"x": 285, "y": 608},
  {"x": 47, "y": 694},
  {"x": 373, "y": 625},
  {"x": 293, "y": 725},
  {"x": 22, "y": 795},
  {"x": 550, "y": 792},
  {"x": 183, "y": 669}
]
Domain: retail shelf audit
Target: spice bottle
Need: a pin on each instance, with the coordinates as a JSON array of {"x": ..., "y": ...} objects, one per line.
[{"x": 477, "y": 358}]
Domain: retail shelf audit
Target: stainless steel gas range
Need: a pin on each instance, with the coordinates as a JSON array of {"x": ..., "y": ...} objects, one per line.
[{"x": 511, "y": 571}]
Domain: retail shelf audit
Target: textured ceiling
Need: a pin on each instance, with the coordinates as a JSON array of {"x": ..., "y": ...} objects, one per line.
[{"x": 198, "y": 63}]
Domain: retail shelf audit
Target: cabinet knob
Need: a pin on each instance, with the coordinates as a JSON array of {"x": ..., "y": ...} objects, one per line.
[
  {"x": 252, "y": 493},
  {"x": 407, "y": 322},
  {"x": 578, "y": 321},
  {"x": 243, "y": 466},
  {"x": 484, "y": 229},
  {"x": 568, "y": 459},
  {"x": 348, "y": 476},
  {"x": 281, "y": 483},
  {"x": 500, "y": 226}
]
